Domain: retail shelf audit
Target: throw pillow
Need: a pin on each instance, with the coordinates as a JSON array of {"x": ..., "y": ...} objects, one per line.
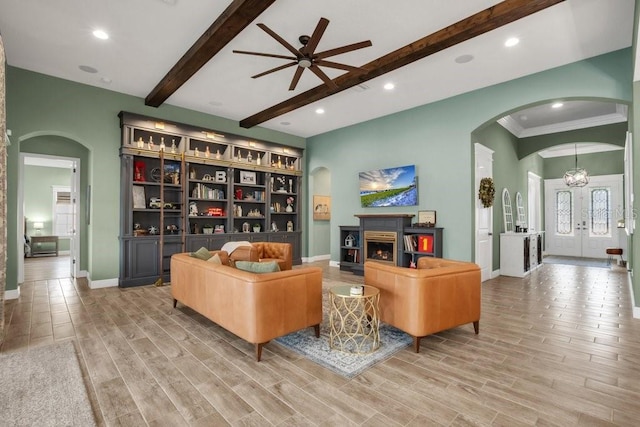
[
  {"x": 215, "y": 259},
  {"x": 202, "y": 253},
  {"x": 258, "y": 267}
]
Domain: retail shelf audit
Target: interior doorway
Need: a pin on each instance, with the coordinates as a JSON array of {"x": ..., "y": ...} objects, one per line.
[
  {"x": 583, "y": 221},
  {"x": 484, "y": 216},
  {"x": 57, "y": 216}
]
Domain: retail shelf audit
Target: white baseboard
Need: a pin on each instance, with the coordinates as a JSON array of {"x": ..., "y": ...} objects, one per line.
[
  {"x": 316, "y": 258},
  {"x": 12, "y": 294},
  {"x": 495, "y": 273},
  {"x": 334, "y": 263},
  {"x": 106, "y": 283}
]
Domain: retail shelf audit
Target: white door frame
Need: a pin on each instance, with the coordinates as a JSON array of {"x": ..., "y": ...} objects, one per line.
[
  {"x": 483, "y": 216},
  {"x": 45, "y": 160}
]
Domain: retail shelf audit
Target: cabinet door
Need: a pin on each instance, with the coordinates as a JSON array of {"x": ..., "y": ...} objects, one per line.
[{"x": 144, "y": 257}]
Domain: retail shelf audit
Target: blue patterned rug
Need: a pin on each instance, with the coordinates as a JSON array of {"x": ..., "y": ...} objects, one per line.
[{"x": 305, "y": 343}]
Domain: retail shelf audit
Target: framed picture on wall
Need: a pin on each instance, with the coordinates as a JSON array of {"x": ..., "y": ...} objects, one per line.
[{"x": 321, "y": 208}]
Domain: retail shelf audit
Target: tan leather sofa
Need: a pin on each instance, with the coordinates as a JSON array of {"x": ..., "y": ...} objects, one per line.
[
  {"x": 440, "y": 294},
  {"x": 255, "y": 307},
  {"x": 266, "y": 251}
]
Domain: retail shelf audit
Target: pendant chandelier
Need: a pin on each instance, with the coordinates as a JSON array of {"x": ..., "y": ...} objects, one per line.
[{"x": 576, "y": 177}]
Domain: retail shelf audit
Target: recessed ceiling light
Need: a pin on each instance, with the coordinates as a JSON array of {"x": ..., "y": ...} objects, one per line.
[
  {"x": 512, "y": 41},
  {"x": 100, "y": 34},
  {"x": 463, "y": 59},
  {"x": 557, "y": 105},
  {"x": 320, "y": 111},
  {"x": 88, "y": 69},
  {"x": 389, "y": 86}
]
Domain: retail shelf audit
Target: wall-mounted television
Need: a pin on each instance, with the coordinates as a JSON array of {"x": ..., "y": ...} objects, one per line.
[{"x": 389, "y": 187}]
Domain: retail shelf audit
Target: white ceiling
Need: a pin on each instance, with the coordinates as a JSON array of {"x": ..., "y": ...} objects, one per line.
[{"x": 148, "y": 36}]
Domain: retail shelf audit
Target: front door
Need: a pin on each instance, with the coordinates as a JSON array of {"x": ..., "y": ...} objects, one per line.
[{"x": 582, "y": 222}]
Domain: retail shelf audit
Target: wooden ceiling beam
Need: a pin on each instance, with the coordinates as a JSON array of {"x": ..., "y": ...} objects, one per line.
[
  {"x": 225, "y": 28},
  {"x": 482, "y": 22}
]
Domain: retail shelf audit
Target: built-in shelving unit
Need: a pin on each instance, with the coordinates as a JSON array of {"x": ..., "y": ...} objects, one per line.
[{"x": 185, "y": 187}]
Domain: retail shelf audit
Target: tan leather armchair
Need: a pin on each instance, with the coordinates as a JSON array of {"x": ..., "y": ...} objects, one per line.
[
  {"x": 440, "y": 294},
  {"x": 275, "y": 251}
]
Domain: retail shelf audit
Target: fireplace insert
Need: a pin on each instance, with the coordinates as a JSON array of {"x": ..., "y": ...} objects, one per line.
[{"x": 380, "y": 246}]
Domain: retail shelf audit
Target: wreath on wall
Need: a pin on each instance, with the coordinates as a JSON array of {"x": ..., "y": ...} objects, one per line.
[{"x": 487, "y": 192}]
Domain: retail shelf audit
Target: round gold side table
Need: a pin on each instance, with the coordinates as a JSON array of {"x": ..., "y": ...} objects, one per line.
[{"x": 353, "y": 320}]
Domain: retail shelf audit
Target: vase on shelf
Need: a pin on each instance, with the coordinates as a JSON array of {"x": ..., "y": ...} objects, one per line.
[{"x": 289, "y": 208}]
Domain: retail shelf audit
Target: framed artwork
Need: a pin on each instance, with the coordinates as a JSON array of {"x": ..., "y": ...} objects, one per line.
[
  {"x": 247, "y": 177},
  {"x": 321, "y": 208},
  {"x": 139, "y": 199},
  {"x": 427, "y": 218}
]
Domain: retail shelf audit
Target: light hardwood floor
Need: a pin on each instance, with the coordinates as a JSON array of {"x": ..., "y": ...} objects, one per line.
[{"x": 559, "y": 348}]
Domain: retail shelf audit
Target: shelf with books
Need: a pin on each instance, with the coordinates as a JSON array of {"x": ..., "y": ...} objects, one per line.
[{"x": 421, "y": 241}]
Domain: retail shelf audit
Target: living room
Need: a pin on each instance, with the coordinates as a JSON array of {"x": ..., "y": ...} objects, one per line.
[{"x": 53, "y": 116}]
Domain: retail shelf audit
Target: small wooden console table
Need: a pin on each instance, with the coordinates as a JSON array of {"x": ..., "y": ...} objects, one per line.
[{"x": 50, "y": 246}]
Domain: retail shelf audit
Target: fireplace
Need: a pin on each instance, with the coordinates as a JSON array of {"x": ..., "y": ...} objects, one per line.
[{"x": 380, "y": 246}]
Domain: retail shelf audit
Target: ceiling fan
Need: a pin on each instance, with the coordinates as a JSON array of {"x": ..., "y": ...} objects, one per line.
[{"x": 306, "y": 57}]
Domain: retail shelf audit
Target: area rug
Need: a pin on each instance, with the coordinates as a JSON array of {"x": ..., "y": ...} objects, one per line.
[
  {"x": 43, "y": 386},
  {"x": 582, "y": 262},
  {"x": 348, "y": 365}
]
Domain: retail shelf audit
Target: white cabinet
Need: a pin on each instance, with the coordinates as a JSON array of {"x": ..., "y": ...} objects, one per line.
[{"x": 520, "y": 253}]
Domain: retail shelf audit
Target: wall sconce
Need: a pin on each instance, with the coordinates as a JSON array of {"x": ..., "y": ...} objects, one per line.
[{"x": 38, "y": 226}]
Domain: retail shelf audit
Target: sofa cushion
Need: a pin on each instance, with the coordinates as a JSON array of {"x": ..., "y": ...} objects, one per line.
[
  {"x": 215, "y": 259},
  {"x": 202, "y": 253},
  {"x": 258, "y": 267}
]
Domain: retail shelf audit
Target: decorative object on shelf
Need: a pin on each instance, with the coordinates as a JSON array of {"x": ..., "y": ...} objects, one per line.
[
  {"x": 139, "y": 170},
  {"x": 207, "y": 229},
  {"x": 173, "y": 146},
  {"x": 155, "y": 203},
  {"x": 207, "y": 153},
  {"x": 218, "y": 155},
  {"x": 487, "y": 192},
  {"x": 193, "y": 209},
  {"x": 274, "y": 227},
  {"x": 162, "y": 146},
  {"x": 321, "y": 208},
  {"x": 138, "y": 197},
  {"x": 281, "y": 180},
  {"x": 221, "y": 176},
  {"x": 279, "y": 164},
  {"x": 196, "y": 152},
  {"x": 239, "y": 156},
  {"x": 290, "y": 186},
  {"x": 150, "y": 146},
  {"x": 256, "y": 228},
  {"x": 213, "y": 211},
  {"x": 426, "y": 219},
  {"x": 249, "y": 157},
  {"x": 172, "y": 229},
  {"x": 245, "y": 227},
  {"x": 153, "y": 230},
  {"x": 140, "y": 143},
  {"x": 219, "y": 229},
  {"x": 258, "y": 161},
  {"x": 290, "y": 202},
  {"x": 576, "y": 177},
  {"x": 350, "y": 240},
  {"x": 247, "y": 177},
  {"x": 238, "y": 193},
  {"x": 289, "y": 225},
  {"x": 192, "y": 173}
]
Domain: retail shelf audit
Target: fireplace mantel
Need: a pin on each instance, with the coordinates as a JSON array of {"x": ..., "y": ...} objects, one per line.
[{"x": 384, "y": 215}]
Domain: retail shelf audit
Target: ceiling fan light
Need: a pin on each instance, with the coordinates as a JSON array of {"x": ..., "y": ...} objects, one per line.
[{"x": 304, "y": 62}]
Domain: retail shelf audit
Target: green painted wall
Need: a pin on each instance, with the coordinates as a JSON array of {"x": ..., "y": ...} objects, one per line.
[
  {"x": 38, "y": 198},
  {"x": 39, "y": 105},
  {"x": 607, "y": 163},
  {"x": 319, "y": 239},
  {"x": 437, "y": 138}
]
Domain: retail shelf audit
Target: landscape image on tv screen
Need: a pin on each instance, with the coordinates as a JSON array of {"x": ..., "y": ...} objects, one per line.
[{"x": 389, "y": 187}]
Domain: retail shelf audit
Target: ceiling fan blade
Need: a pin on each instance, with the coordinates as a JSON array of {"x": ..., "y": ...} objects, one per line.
[
  {"x": 273, "y": 70},
  {"x": 318, "y": 72},
  {"x": 280, "y": 40},
  {"x": 269, "y": 55},
  {"x": 296, "y": 78},
  {"x": 337, "y": 65},
  {"x": 343, "y": 49},
  {"x": 315, "y": 37}
]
